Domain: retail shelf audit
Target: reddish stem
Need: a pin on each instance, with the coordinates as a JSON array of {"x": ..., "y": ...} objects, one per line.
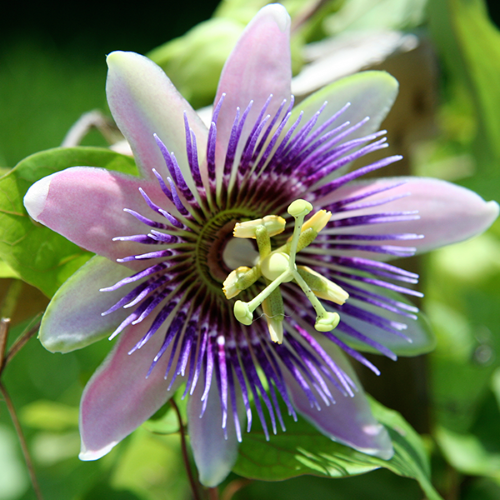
[
  {"x": 22, "y": 440},
  {"x": 185, "y": 457}
]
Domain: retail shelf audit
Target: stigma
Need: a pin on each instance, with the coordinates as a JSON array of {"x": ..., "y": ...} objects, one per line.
[{"x": 276, "y": 267}]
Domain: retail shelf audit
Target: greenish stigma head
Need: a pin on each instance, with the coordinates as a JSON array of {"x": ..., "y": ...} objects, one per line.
[{"x": 278, "y": 266}]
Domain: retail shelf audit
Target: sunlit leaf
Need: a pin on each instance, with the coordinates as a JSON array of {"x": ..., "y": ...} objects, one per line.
[
  {"x": 150, "y": 467},
  {"x": 6, "y": 271},
  {"x": 13, "y": 476},
  {"x": 495, "y": 385},
  {"x": 462, "y": 305},
  {"x": 357, "y": 15},
  {"x": 49, "y": 415},
  {"x": 468, "y": 454},
  {"x": 304, "y": 450},
  {"x": 50, "y": 448},
  {"x": 470, "y": 45}
]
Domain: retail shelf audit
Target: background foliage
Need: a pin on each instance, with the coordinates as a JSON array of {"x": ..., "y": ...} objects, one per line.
[{"x": 446, "y": 122}]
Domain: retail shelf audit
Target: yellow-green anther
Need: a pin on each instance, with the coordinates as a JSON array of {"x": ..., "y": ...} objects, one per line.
[
  {"x": 318, "y": 221},
  {"x": 274, "y": 312},
  {"x": 323, "y": 287},
  {"x": 318, "y": 307},
  {"x": 306, "y": 238},
  {"x": 242, "y": 312},
  {"x": 310, "y": 229},
  {"x": 327, "y": 322},
  {"x": 273, "y": 223},
  {"x": 240, "y": 279}
]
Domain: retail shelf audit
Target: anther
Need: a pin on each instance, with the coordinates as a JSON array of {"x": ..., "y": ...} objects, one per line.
[
  {"x": 278, "y": 266},
  {"x": 273, "y": 223}
]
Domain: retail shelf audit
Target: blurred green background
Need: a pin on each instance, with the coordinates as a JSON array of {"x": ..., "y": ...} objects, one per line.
[{"x": 446, "y": 122}]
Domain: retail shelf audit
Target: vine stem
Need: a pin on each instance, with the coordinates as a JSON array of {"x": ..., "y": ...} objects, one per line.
[
  {"x": 213, "y": 493},
  {"x": 22, "y": 440},
  {"x": 6, "y": 311},
  {"x": 192, "y": 481},
  {"x": 234, "y": 487},
  {"x": 4, "y": 333},
  {"x": 17, "y": 345}
]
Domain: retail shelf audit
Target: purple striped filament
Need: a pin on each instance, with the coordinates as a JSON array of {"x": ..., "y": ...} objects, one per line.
[{"x": 191, "y": 254}]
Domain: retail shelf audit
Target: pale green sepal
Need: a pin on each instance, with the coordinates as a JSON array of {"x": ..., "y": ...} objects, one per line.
[
  {"x": 370, "y": 93},
  {"x": 73, "y": 318}
]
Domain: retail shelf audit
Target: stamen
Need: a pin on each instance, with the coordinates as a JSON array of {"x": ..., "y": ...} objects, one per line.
[
  {"x": 273, "y": 224},
  {"x": 278, "y": 267}
]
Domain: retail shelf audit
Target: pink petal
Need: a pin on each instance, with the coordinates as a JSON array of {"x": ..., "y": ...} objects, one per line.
[
  {"x": 259, "y": 66},
  {"x": 118, "y": 398},
  {"x": 448, "y": 213},
  {"x": 66, "y": 327},
  {"x": 214, "y": 455},
  {"x": 349, "y": 421},
  {"x": 86, "y": 206},
  {"x": 144, "y": 102}
]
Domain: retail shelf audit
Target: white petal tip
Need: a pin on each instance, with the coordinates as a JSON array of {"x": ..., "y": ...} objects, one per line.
[
  {"x": 492, "y": 209},
  {"x": 89, "y": 455},
  {"x": 279, "y": 14},
  {"x": 117, "y": 57},
  {"x": 35, "y": 198}
]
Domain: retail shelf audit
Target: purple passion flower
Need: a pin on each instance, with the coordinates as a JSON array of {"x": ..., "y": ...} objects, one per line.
[{"x": 254, "y": 213}]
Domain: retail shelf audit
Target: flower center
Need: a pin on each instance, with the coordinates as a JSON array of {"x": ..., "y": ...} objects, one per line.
[
  {"x": 211, "y": 243},
  {"x": 278, "y": 267}
]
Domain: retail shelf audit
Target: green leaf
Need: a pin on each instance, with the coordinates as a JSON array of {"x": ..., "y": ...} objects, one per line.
[
  {"x": 470, "y": 45},
  {"x": 50, "y": 448},
  {"x": 495, "y": 385},
  {"x": 38, "y": 255},
  {"x": 13, "y": 476},
  {"x": 467, "y": 454},
  {"x": 6, "y": 271},
  {"x": 359, "y": 15},
  {"x": 481, "y": 489},
  {"x": 302, "y": 449},
  {"x": 462, "y": 305},
  {"x": 163, "y": 422},
  {"x": 476, "y": 452},
  {"x": 194, "y": 61},
  {"x": 49, "y": 415},
  {"x": 148, "y": 466}
]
